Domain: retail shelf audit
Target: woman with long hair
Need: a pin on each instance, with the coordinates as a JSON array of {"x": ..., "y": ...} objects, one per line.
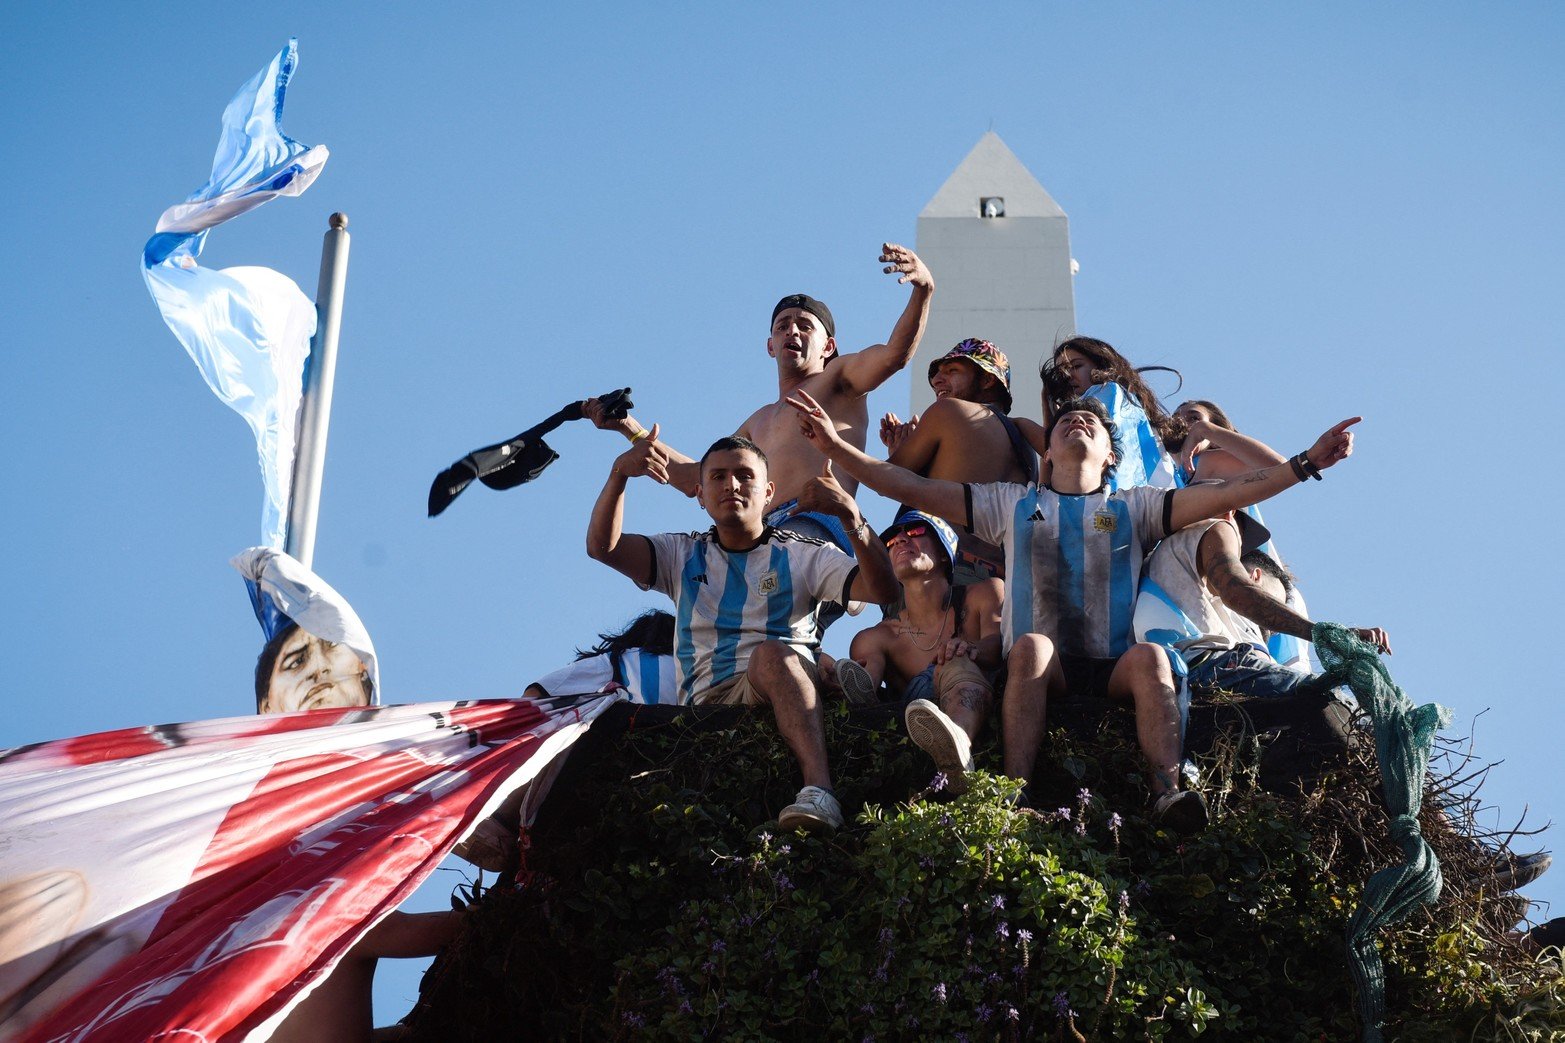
[{"x": 1085, "y": 367}]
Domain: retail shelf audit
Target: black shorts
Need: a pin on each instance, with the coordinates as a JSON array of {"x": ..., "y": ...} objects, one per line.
[{"x": 1086, "y": 677}]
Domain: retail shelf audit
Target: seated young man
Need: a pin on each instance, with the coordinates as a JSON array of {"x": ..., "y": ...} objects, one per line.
[
  {"x": 1073, "y": 554},
  {"x": 1209, "y": 595},
  {"x": 748, "y": 597},
  {"x": 935, "y": 654}
]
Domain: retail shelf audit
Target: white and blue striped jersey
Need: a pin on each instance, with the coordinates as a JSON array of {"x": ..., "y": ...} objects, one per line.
[
  {"x": 1145, "y": 461},
  {"x": 729, "y": 602},
  {"x": 1072, "y": 563}
]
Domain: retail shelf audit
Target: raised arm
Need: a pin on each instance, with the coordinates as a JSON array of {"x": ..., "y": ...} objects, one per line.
[
  {"x": 1228, "y": 578},
  {"x": 1196, "y": 502},
  {"x": 682, "y": 472},
  {"x": 875, "y": 581},
  {"x": 1203, "y": 435},
  {"x": 606, "y": 541},
  {"x": 864, "y": 371},
  {"x": 948, "y": 500}
]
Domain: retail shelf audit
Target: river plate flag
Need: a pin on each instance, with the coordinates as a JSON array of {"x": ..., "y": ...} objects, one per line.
[
  {"x": 195, "y": 881},
  {"x": 247, "y": 329}
]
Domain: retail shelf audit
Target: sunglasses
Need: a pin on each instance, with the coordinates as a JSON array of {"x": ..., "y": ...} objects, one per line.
[{"x": 910, "y": 531}]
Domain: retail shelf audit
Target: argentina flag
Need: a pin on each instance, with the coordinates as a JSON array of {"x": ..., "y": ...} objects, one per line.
[
  {"x": 247, "y": 329},
  {"x": 1145, "y": 461}
]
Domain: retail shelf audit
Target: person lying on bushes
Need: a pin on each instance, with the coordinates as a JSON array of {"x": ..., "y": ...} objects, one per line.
[
  {"x": 749, "y": 597},
  {"x": 1073, "y": 558}
]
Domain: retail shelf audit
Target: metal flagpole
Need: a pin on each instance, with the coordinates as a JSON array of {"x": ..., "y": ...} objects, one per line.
[{"x": 315, "y": 408}]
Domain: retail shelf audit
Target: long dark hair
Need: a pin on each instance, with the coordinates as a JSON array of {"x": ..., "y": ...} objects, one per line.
[
  {"x": 1109, "y": 365},
  {"x": 1180, "y": 429},
  {"x": 652, "y": 631}
]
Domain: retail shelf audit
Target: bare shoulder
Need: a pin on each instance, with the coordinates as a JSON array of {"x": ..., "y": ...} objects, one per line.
[
  {"x": 874, "y": 638},
  {"x": 986, "y": 594}
]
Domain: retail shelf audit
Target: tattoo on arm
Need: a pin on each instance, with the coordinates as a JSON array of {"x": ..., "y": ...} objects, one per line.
[{"x": 1231, "y": 583}]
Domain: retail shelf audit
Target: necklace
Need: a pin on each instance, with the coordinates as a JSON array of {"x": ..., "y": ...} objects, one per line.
[{"x": 908, "y": 631}]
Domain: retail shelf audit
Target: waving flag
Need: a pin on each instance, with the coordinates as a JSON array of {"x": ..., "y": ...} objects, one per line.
[
  {"x": 247, "y": 329},
  {"x": 195, "y": 881}
]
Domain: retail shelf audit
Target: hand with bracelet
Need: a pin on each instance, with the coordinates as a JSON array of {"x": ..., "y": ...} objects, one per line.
[{"x": 1336, "y": 444}]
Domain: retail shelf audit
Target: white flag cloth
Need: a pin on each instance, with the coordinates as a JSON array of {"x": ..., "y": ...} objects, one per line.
[
  {"x": 247, "y": 329},
  {"x": 195, "y": 881},
  {"x": 282, "y": 582}
]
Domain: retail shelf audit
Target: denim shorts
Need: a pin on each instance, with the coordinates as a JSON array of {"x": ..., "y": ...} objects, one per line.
[{"x": 1246, "y": 670}]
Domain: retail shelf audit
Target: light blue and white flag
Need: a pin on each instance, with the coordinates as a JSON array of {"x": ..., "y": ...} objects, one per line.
[
  {"x": 1145, "y": 461},
  {"x": 247, "y": 329}
]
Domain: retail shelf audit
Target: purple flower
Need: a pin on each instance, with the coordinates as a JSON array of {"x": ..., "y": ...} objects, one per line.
[
  {"x": 1011, "y": 1013},
  {"x": 1002, "y": 929},
  {"x": 685, "y": 1008},
  {"x": 925, "y": 862},
  {"x": 868, "y": 1008},
  {"x": 785, "y": 849},
  {"x": 670, "y": 982},
  {"x": 940, "y": 992},
  {"x": 1063, "y": 814},
  {"x": 880, "y": 973},
  {"x": 984, "y": 1012},
  {"x": 1083, "y": 796},
  {"x": 946, "y": 821},
  {"x": 764, "y": 837},
  {"x": 994, "y": 979},
  {"x": 1124, "y": 903},
  {"x": 815, "y": 976},
  {"x": 997, "y": 902},
  {"x": 708, "y": 967},
  {"x": 719, "y": 946},
  {"x": 1115, "y": 822},
  {"x": 961, "y": 1037},
  {"x": 1062, "y": 1006},
  {"x": 1024, "y": 935},
  {"x": 783, "y": 883},
  {"x": 633, "y": 1019},
  {"x": 885, "y": 936},
  {"x": 939, "y": 782},
  {"x": 1141, "y": 889}
]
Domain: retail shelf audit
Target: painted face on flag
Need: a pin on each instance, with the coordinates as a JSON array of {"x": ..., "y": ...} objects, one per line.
[
  {"x": 311, "y": 673},
  {"x": 734, "y": 487}
]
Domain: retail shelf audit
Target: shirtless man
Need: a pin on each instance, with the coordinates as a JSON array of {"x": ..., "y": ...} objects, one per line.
[
  {"x": 803, "y": 343},
  {"x": 966, "y": 433},
  {"x": 936, "y": 654}
]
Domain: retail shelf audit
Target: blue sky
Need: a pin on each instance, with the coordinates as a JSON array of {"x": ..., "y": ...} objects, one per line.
[{"x": 1314, "y": 211}]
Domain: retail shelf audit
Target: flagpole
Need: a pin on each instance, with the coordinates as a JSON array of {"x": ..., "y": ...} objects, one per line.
[{"x": 315, "y": 408}]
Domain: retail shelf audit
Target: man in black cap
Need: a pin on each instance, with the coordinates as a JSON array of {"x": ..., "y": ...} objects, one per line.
[{"x": 803, "y": 341}]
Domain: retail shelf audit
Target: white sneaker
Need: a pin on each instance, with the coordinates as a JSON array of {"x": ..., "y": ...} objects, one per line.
[
  {"x": 856, "y": 683},
  {"x": 941, "y": 738},
  {"x": 814, "y": 809}
]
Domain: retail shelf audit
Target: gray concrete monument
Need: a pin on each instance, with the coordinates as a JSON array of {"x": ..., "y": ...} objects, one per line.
[{"x": 999, "y": 248}]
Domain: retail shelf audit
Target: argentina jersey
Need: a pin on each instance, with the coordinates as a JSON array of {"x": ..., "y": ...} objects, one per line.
[
  {"x": 1145, "y": 462},
  {"x": 1072, "y": 563},
  {"x": 729, "y": 602}
]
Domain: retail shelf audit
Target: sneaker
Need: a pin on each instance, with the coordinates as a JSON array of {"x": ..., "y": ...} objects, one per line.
[
  {"x": 1512, "y": 871},
  {"x": 1183, "y": 811},
  {"x": 938, "y": 735},
  {"x": 856, "y": 683},
  {"x": 814, "y": 809},
  {"x": 1549, "y": 935}
]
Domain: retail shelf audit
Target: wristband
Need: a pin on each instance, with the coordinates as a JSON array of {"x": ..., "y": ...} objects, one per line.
[
  {"x": 639, "y": 435},
  {"x": 858, "y": 530},
  {"x": 1303, "y": 468}
]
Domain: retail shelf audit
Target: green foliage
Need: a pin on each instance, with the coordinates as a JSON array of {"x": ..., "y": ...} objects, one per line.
[{"x": 661, "y": 902}]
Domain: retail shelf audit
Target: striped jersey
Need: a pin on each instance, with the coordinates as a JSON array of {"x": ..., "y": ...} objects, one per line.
[
  {"x": 1145, "y": 461},
  {"x": 728, "y": 602},
  {"x": 1072, "y": 563}
]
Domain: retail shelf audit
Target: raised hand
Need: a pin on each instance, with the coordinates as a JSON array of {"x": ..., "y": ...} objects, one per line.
[
  {"x": 1334, "y": 445},
  {"x": 1196, "y": 442},
  {"x": 894, "y": 431},
  {"x": 647, "y": 457},
  {"x": 901, "y": 259},
  {"x": 823, "y": 494}
]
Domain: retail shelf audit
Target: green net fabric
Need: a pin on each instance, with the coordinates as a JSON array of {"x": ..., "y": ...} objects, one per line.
[{"x": 1403, "y": 735}]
